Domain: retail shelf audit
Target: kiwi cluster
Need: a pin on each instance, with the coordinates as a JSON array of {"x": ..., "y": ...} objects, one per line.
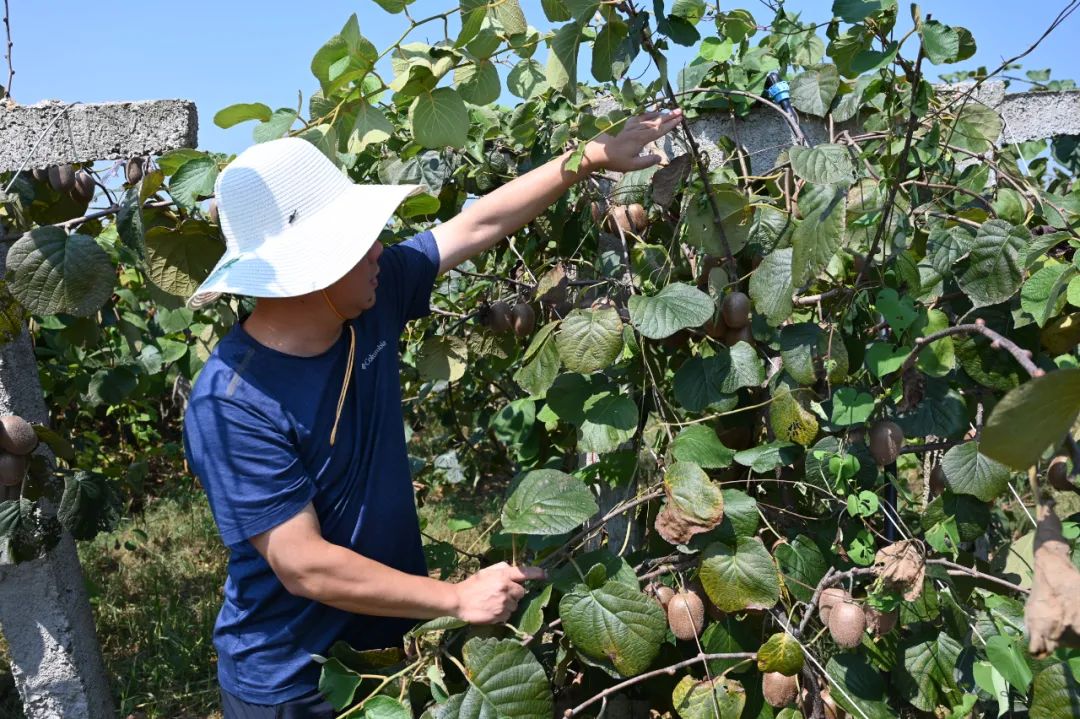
[
  {"x": 731, "y": 324},
  {"x": 76, "y": 183},
  {"x": 621, "y": 219},
  {"x": 17, "y": 440},
  {"x": 848, "y": 621},
  {"x": 502, "y": 318}
]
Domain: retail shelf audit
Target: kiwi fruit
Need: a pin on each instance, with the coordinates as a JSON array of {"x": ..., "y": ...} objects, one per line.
[
  {"x": 213, "y": 213},
  {"x": 830, "y": 598},
  {"x": 937, "y": 480},
  {"x": 597, "y": 212},
  {"x": 17, "y": 436},
  {"x": 847, "y": 622},
  {"x": 133, "y": 170},
  {"x": 12, "y": 469},
  {"x": 62, "y": 177},
  {"x": 886, "y": 441},
  {"x": 620, "y": 222},
  {"x": 736, "y": 310},
  {"x": 524, "y": 319},
  {"x": 661, "y": 593},
  {"x": 879, "y": 622},
  {"x": 716, "y": 328},
  {"x": 40, "y": 174},
  {"x": 500, "y": 318},
  {"x": 831, "y": 710},
  {"x": 639, "y": 218},
  {"x": 779, "y": 690},
  {"x": 733, "y": 336},
  {"x": 1057, "y": 474},
  {"x": 83, "y": 191},
  {"x": 686, "y": 615}
]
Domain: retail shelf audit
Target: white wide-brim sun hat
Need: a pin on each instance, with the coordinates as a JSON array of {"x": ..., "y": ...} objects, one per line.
[{"x": 293, "y": 222}]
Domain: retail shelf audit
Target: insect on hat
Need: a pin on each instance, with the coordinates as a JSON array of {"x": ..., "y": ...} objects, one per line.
[{"x": 293, "y": 222}]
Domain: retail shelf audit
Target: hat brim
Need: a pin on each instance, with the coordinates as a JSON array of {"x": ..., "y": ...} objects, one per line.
[{"x": 311, "y": 254}]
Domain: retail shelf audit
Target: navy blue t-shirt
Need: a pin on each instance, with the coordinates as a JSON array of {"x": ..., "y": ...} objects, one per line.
[{"x": 257, "y": 436}]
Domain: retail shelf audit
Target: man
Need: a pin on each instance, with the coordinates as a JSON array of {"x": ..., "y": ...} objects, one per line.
[{"x": 294, "y": 426}]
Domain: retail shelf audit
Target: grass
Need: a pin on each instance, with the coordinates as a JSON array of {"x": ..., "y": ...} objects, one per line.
[{"x": 156, "y": 586}]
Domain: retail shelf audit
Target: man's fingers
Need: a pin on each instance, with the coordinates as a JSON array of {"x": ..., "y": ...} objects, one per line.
[
  {"x": 516, "y": 591},
  {"x": 643, "y": 161},
  {"x": 524, "y": 574}
]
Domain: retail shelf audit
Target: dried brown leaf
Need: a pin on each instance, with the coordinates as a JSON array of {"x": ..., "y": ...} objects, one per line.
[
  {"x": 667, "y": 180},
  {"x": 902, "y": 566},
  {"x": 1052, "y": 614}
]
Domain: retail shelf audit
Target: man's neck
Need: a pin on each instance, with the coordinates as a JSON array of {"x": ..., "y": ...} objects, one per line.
[{"x": 301, "y": 326}]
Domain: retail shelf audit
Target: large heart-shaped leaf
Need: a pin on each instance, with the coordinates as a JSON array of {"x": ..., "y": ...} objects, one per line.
[
  {"x": 590, "y": 340},
  {"x": 969, "y": 472},
  {"x": 1056, "y": 694},
  {"x": 995, "y": 268},
  {"x": 813, "y": 90},
  {"x": 194, "y": 179},
  {"x": 780, "y": 653},
  {"x": 443, "y": 357},
  {"x": 614, "y": 623},
  {"x": 771, "y": 286},
  {"x": 802, "y": 565},
  {"x": 818, "y": 236},
  {"x": 562, "y": 59},
  {"x": 1031, "y": 417},
  {"x": 824, "y": 164},
  {"x": 741, "y": 576},
  {"x": 694, "y": 699},
  {"x": 610, "y": 419},
  {"x": 50, "y": 272},
  {"x": 694, "y": 504},
  {"x": 505, "y": 681},
  {"x": 370, "y": 128},
  {"x": 439, "y": 118},
  {"x": 547, "y": 501},
  {"x": 177, "y": 260},
  {"x": 675, "y": 307},
  {"x": 478, "y": 82},
  {"x": 863, "y": 689},
  {"x": 699, "y": 444}
]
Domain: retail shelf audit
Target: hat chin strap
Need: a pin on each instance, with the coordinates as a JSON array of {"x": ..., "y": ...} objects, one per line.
[{"x": 332, "y": 307}]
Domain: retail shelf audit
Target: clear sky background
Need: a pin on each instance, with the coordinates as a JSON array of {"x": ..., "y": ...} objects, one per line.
[{"x": 219, "y": 52}]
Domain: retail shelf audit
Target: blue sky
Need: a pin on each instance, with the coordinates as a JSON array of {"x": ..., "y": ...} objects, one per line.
[{"x": 218, "y": 52}]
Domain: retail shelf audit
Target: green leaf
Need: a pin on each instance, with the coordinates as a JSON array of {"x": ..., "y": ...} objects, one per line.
[
  {"x": 898, "y": 311},
  {"x": 393, "y": 6},
  {"x": 771, "y": 286},
  {"x": 1043, "y": 294},
  {"x": 241, "y": 112},
  {"x": 561, "y": 70},
  {"x": 50, "y": 272},
  {"x": 807, "y": 350},
  {"x": 279, "y": 123},
  {"x": 694, "y": 699},
  {"x": 740, "y": 577},
  {"x": 442, "y": 358},
  {"x": 607, "y": 65},
  {"x": 614, "y": 623},
  {"x": 813, "y": 90},
  {"x": 883, "y": 358},
  {"x": 527, "y": 79},
  {"x": 851, "y": 407},
  {"x": 384, "y": 707},
  {"x": 371, "y": 128},
  {"x": 609, "y": 420},
  {"x": 1031, "y": 417},
  {"x": 178, "y": 260},
  {"x": 129, "y": 223},
  {"x": 969, "y": 472},
  {"x": 590, "y": 340},
  {"x": 768, "y": 456},
  {"x": 780, "y": 653},
  {"x": 510, "y": 16},
  {"x": 694, "y": 504},
  {"x": 995, "y": 267},
  {"x": 513, "y": 424},
  {"x": 699, "y": 228},
  {"x": 940, "y": 42},
  {"x": 478, "y": 82},
  {"x": 537, "y": 374},
  {"x": 824, "y": 164},
  {"x": 345, "y": 58},
  {"x": 863, "y": 692},
  {"x": 194, "y": 179},
  {"x": 676, "y": 307},
  {"x": 854, "y": 11},
  {"x": 977, "y": 128},
  {"x": 699, "y": 383},
  {"x": 802, "y": 565},
  {"x": 547, "y": 501},
  {"x": 89, "y": 504},
  {"x": 505, "y": 680},
  {"x": 1056, "y": 694},
  {"x": 817, "y": 238},
  {"x": 939, "y": 357},
  {"x": 699, "y": 444},
  {"x": 924, "y": 676},
  {"x": 1006, "y": 656},
  {"x": 740, "y": 516},
  {"x": 439, "y": 119}
]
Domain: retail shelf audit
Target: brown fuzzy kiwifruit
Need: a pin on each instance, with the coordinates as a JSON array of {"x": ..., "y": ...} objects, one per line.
[
  {"x": 524, "y": 319},
  {"x": 886, "y": 441},
  {"x": 62, "y": 177},
  {"x": 831, "y": 710},
  {"x": 879, "y": 622},
  {"x": 779, "y": 690},
  {"x": 830, "y": 598},
  {"x": 686, "y": 615},
  {"x": 17, "y": 436},
  {"x": 619, "y": 220},
  {"x": 1057, "y": 474},
  {"x": 937, "y": 480},
  {"x": 662, "y": 593},
  {"x": 12, "y": 469},
  {"x": 597, "y": 212},
  {"x": 213, "y": 212},
  {"x": 715, "y": 327},
  {"x": 639, "y": 218},
  {"x": 847, "y": 623},
  {"x": 83, "y": 190},
  {"x": 500, "y": 317},
  {"x": 734, "y": 336},
  {"x": 736, "y": 310},
  {"x": 133, "y": 170},
  {"x": 40, "y": 174}
]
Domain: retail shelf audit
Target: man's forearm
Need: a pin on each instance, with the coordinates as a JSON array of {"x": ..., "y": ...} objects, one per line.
[
  {"x": 345, "y": 580},
  {"x": 506, "y": 210}
]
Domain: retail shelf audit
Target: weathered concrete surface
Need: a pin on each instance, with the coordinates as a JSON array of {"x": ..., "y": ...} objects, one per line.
[
  {"x": 82, "y": 133},
  {"x": 1040, "y": 115}
]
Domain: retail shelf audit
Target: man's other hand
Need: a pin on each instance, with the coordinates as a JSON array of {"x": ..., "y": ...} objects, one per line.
[
  {"x": 622, "y": 152},
  {"x": 491, "y": 595}
]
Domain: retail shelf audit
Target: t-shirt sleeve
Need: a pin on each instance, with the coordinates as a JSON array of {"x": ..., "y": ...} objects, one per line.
[
  {"x": 250, "y": 471},
  {"x": 411, "y": 267}
]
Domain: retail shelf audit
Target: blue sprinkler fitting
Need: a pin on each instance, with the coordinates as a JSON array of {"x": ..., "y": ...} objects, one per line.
[{"x": 778, "y": 91}]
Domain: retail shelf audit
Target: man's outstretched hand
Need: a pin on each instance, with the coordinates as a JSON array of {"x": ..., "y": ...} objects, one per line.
[
  {"x": 491, "y": 595},
  {"x": 622, "y": 152}
]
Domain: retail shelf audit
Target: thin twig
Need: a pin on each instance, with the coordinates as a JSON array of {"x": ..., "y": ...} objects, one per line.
[
  {"x": 955, "y": 568},
  {"x": 978, "y": 327},
  {"x": 11, "y": 68}
]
